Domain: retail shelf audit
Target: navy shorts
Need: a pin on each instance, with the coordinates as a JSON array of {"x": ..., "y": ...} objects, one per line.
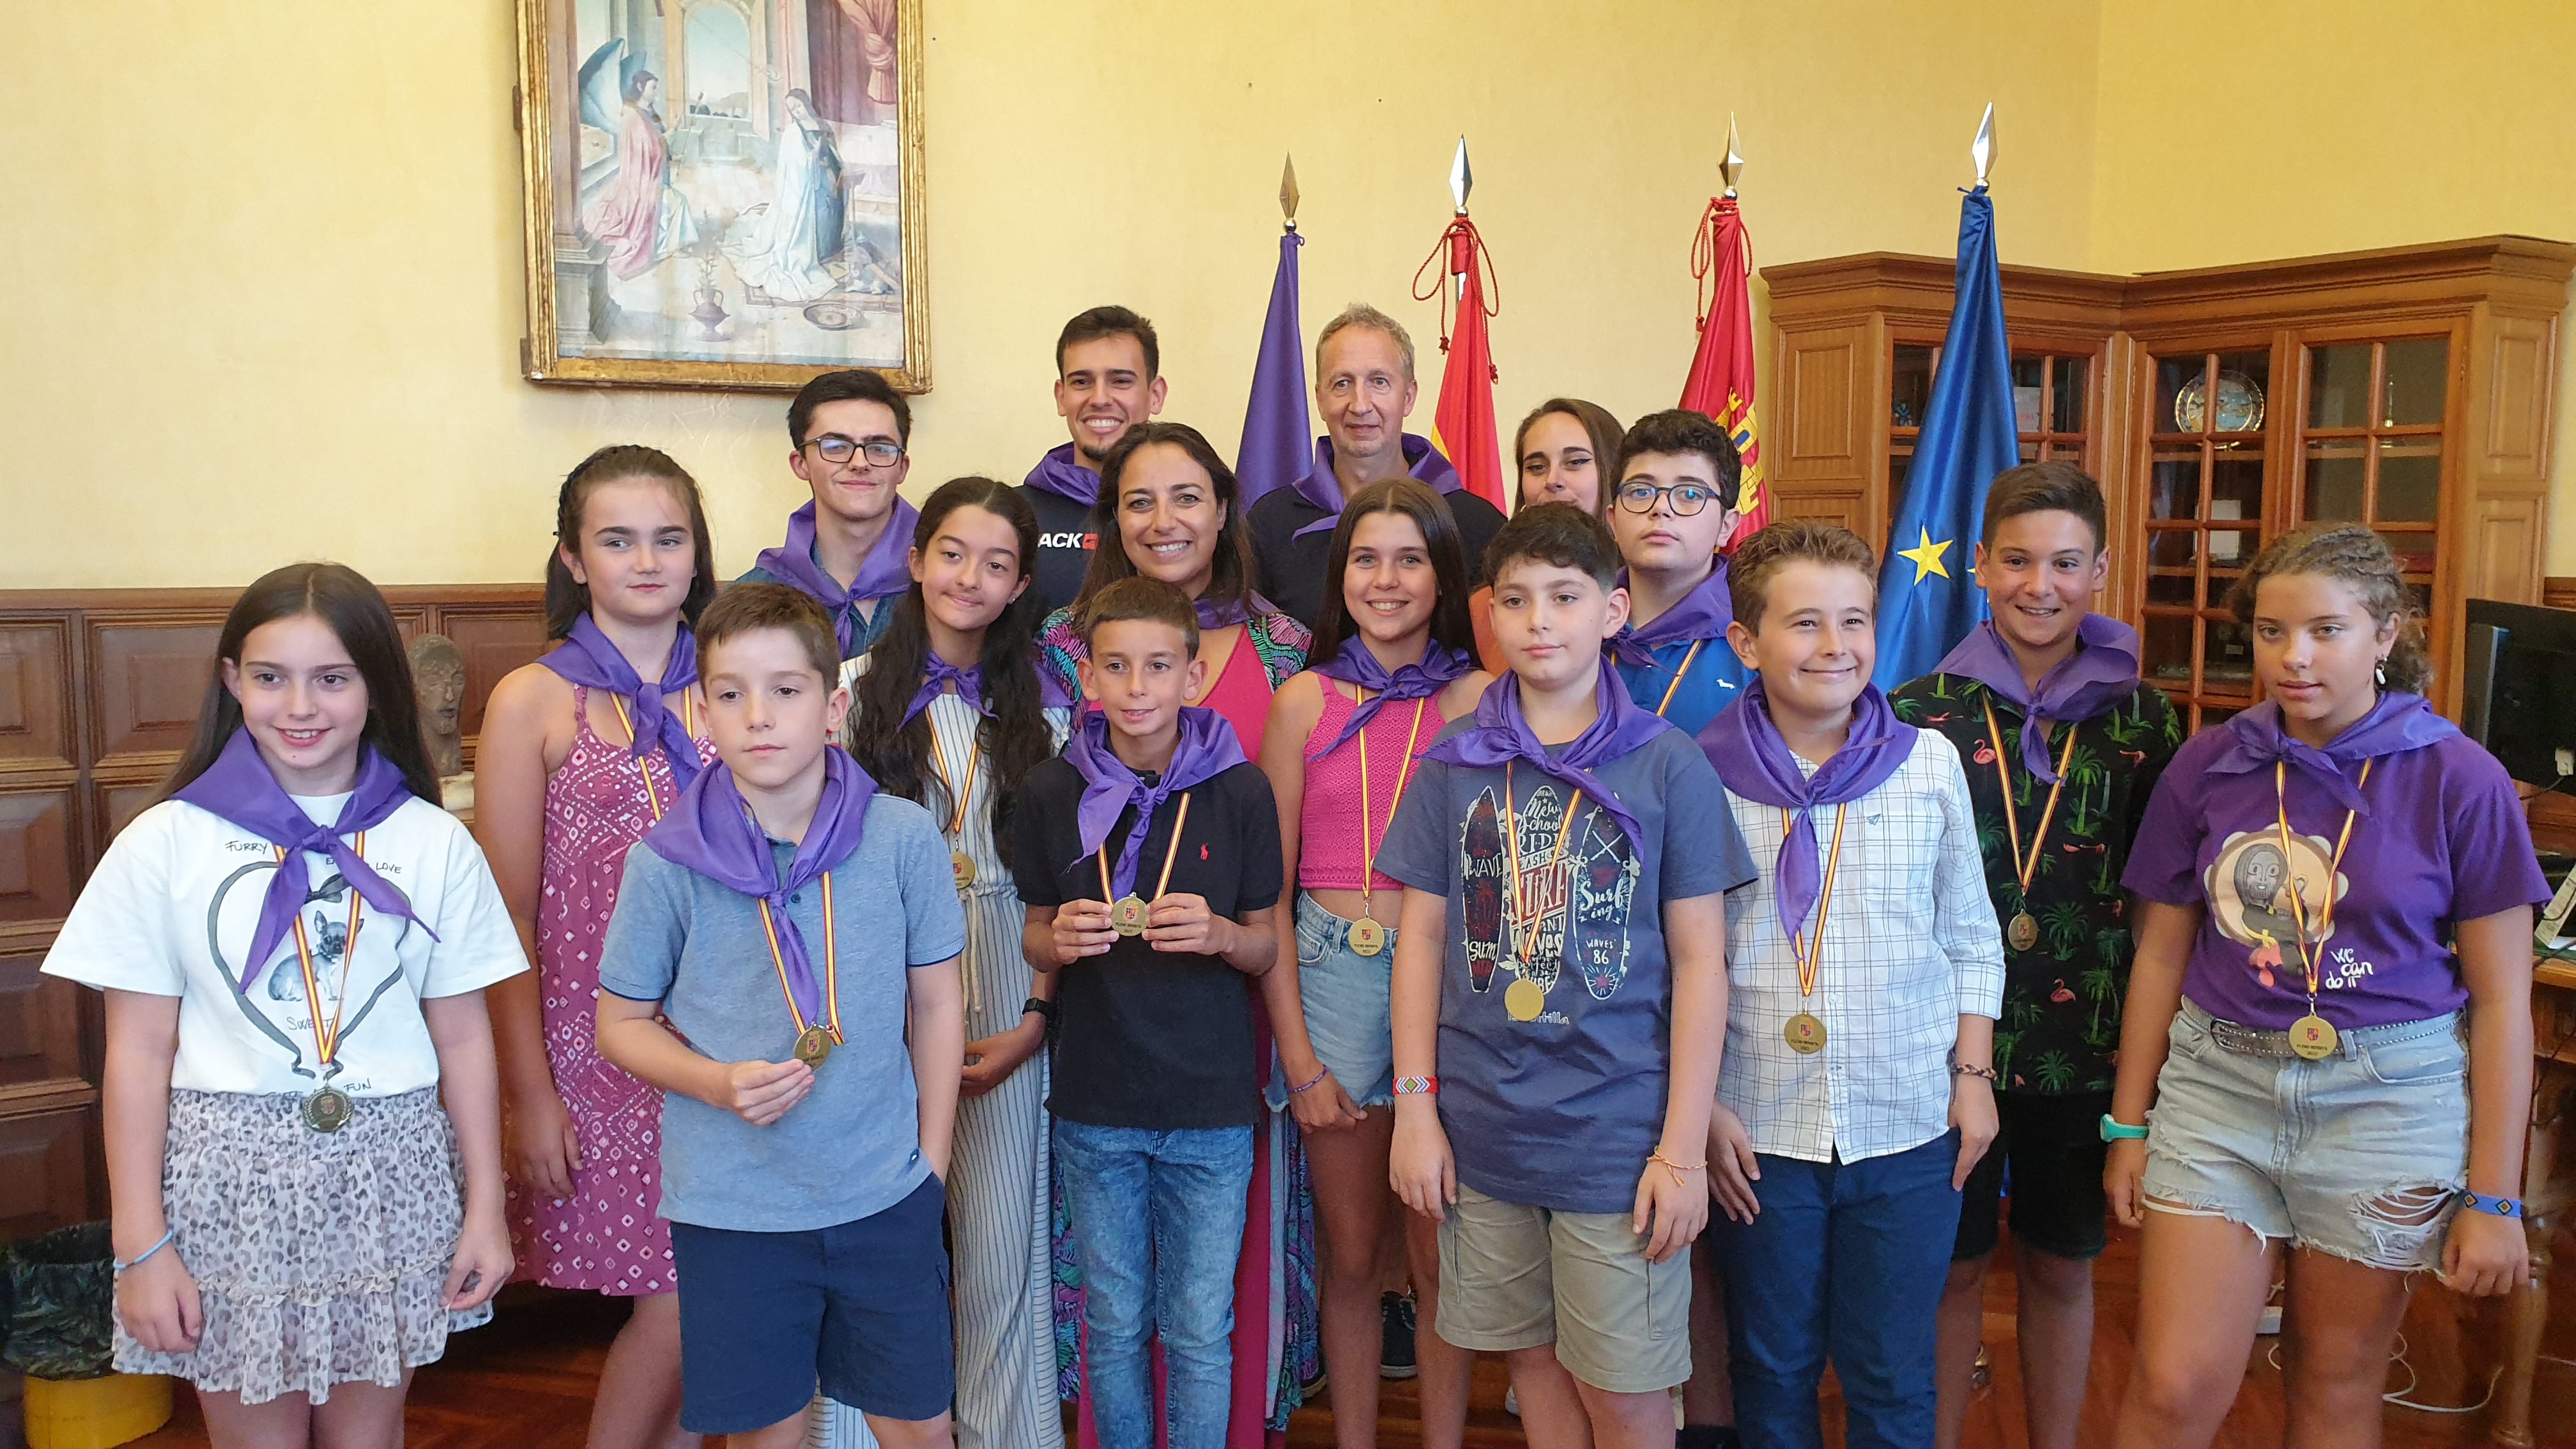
[{"x": 860, "y": 1309}]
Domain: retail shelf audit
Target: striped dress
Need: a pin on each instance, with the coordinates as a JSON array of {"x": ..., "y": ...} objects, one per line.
[{"x": 998, "y": 1175}]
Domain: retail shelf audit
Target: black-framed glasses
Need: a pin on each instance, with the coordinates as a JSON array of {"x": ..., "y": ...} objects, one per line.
[
  {"x": 1639, "y": 496},
  {"x": 835, "y": 449}
]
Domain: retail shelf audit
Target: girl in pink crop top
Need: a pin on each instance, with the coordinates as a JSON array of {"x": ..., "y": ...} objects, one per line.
[{"x": 1392, "y": 663}]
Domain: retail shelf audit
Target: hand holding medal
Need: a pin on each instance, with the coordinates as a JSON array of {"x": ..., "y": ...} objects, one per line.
[
  {"x": 1083, "y": 928},
  {"x": 1132, "y": 914}
]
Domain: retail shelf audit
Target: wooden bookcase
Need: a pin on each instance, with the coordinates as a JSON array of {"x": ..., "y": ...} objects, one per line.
[{"x": 2408, "y": 388}]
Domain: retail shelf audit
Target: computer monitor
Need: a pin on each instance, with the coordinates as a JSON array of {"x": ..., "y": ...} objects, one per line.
[{"x": 2519, "y": 688}]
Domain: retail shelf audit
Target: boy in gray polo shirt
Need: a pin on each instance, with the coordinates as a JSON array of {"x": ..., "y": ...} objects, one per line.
[{"x": 785, "y": 918}]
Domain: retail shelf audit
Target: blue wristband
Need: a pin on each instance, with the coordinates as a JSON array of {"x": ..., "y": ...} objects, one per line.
[
  {"x": 2114, "y": 1130},
  {"x": 2503, "y": 1207},
  {"x": 165, "y": 1242}
]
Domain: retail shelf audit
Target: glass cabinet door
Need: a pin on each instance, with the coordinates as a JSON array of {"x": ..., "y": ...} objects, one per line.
[
  {"x": 2371, "y": 448},
  {"x": 2205, "y": 510},
  {"x": 2052, "y": 409}
]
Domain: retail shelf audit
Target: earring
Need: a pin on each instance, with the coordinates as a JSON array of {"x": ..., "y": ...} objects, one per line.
[{"x": 2379, "y": 672}]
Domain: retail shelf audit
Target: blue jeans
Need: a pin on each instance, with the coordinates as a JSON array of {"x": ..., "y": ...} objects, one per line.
[
  {"x": 1846, "y": 1259},
  {"x": 1157, "y": 1228}
]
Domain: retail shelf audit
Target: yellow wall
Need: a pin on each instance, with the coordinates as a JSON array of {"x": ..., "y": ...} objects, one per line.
[
  {"x": 263, "y": 260},
  {"x": 264, "y": 272},
  {"x": 2232, "y": 131}
]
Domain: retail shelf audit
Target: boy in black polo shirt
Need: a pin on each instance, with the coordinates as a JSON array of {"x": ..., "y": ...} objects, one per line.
[{"x": 1148, "y": 858}]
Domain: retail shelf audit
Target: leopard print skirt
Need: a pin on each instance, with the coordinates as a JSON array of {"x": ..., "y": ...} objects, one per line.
[{"x": 319, "y": 1257}]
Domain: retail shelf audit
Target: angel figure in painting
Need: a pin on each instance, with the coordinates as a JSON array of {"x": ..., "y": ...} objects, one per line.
[
  {"x": 641, "y": 215},
  {"x": 792, "y": 235}
]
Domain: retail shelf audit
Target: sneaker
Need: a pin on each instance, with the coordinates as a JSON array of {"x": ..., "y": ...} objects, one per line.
[{"x": 1395, "y": 1359}]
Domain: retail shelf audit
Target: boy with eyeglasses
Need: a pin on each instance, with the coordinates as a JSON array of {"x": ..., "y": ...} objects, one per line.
[
  {"x": 1673, "y": 509},
  {"x": 849, "y": 547}
]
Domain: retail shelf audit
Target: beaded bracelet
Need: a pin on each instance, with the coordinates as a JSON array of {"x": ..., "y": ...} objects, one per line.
[
  {"x": 2503, "y": 1207},
  {"x": 146, "y": 1253},
  {"x": 1320, "y": 1074}
]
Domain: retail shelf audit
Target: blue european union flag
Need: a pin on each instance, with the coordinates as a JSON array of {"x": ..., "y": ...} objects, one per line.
[{"x": 1928, "y": 597}]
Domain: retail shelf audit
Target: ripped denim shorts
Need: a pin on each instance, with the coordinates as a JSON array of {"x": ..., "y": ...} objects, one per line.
[{"x": 2361, "y": 1155}]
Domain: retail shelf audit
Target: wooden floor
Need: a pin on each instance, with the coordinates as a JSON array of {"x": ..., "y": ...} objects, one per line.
[{"x": 526, "y": 1381}]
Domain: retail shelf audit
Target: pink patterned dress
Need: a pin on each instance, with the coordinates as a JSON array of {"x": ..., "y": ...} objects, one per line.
[{"x": 608, "y": 1237}]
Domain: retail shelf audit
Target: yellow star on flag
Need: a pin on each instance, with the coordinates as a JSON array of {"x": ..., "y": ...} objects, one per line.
[{"x": 1926, "y": 557}]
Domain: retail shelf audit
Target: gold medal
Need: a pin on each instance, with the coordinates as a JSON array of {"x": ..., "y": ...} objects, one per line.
[
  {"x": 1367, "y": 937},
  {"x": 2313, "y": 1037},
  {"x": 813, "y": 1044},
  {"x": 1523, "y": 999},
  {"x": 328, "y": 1110},
  {"x": 961, "y": 866},
  {"x": 2023, "y": 933},
  {"x": 1806, "y": 1034},
  {"x": 1128, "y": 916},
  {"x": 814, "y": 1040}
]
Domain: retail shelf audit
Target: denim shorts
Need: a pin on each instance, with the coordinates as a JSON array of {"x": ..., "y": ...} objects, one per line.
[
  {"x": 2361, "y": 1155},
  {"x": 1345, "y": 995}
]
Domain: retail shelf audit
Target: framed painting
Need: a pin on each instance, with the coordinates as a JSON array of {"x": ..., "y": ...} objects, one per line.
[{"x": 722, "y": 193}]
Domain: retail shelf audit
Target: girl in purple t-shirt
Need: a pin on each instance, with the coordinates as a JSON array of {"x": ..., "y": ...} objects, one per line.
[{"x": 2334, "y": 895}]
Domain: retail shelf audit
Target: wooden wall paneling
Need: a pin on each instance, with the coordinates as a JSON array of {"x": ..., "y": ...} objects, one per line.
[
  {"x": 39, "y": 1026},
  {"x": 45, "y": 1175},
  {"x": 494, "y": 639},
  {"x": 2558, "y": 592},
  {"x": 36, "y": 712},
  {"x": 150, "y": 672},
  {"x": 39, "y": 839}
]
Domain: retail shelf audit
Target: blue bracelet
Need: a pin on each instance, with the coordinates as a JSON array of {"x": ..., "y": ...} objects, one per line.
[
  {"x": 2503, "y": 1207},
  {"x": 146, "y": 1253}
]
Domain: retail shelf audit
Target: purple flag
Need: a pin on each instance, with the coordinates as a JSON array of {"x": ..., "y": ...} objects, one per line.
[{"x": 1275, "y": 421}]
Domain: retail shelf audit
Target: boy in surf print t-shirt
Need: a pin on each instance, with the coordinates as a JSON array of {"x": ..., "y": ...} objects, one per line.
[{"x": 1559, "y": 997}]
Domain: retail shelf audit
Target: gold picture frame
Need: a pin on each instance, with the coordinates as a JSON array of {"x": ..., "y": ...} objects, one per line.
[{"x": 731, "y": 154}]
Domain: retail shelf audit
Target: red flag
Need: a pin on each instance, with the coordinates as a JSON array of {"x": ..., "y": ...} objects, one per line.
[
  {"x": 1721, "y": 375},
  {"x": 1463, "y": 422}
]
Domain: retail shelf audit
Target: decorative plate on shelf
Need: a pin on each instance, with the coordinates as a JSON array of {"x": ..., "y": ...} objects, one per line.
[{"x": 2240, "y": 404}]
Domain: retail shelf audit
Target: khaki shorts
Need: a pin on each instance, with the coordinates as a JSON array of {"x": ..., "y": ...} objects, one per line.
[{"x": 1515, "y": 1277}]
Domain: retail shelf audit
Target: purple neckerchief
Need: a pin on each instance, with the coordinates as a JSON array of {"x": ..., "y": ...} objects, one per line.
[
  {"x": 711, "y": 831},
  {"x": 886, "y": 570},
  {"x": 1703, "y": 613},
  {"x": 2398, "y": 721},
  {"x": 1423, "y": 678},
  {"x": 1502, "y": 734},
  {"x": 937, "y": 674},
  {"x": 2101, "y": 672},
  {"x": 1215, "y": 615},
  {"x": 1063, "y": 474},
  {"x": 1756, "y": 763},
  {"x": 1323, "y": 488},
  {"x": 239, "y": 787},
  {"x": 1207, "y": 747},
  {"x": 588, "y": 659}
]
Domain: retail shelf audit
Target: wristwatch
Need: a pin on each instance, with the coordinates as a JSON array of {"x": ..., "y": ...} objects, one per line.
[
  {"x": 1044, "y": 1009},
  {"x": 2113, "y": 1129}
]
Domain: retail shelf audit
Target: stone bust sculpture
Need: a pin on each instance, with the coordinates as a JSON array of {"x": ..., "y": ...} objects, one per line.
[{"x": 438, "y": 680}]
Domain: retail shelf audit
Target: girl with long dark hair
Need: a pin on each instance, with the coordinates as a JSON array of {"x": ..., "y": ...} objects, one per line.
[
  {"x": 1392, "y": 666},
  {"x": 581, "y": 753},
  {"x": 948, "y": 710},
  {"x": 301, "y": 1110}
]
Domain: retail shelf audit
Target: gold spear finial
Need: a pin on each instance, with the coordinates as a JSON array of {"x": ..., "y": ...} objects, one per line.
[
  {"x": 1461, "y": 180},
  {"x": 1288, "y": 191},
  {"x": 1983, "y": 149}
]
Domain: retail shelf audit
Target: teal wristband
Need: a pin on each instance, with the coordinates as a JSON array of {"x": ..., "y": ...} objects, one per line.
[{"x": 2114, "y": 1130}]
